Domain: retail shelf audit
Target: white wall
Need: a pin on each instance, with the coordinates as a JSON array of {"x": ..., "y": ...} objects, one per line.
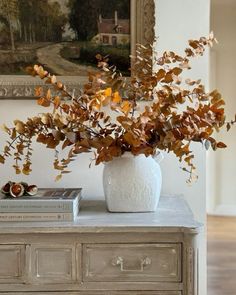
[
  {"x": 222, "y": 191},
  {"x": 177, "y": 22}
]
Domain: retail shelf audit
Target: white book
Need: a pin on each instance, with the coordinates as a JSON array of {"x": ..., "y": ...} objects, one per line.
[
  {"x": 8, "y": 217},
  {"x": 46, "y": 200}
]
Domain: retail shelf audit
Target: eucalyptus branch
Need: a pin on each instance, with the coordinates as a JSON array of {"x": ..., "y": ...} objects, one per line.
[{"x": 166, "y": 124}]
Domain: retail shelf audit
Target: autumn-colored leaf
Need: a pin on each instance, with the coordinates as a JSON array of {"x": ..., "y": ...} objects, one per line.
[
  {"x": 13, "y": 134},
  {"x": 194, "y": 43},
  {"x": 19, "y": 126},
  {"x": 2, "y": 159},
  {"x": 189, "y": 52},
  {"x": 58, "y": 177},
  {"x": 20, "y": 148},
  {"x": 168, "y": 78},
  {"x": 219, "y": 103},
  {"x": 43, "y": 102},
  {"x": 84, "y": 143},
  {"x": 57, "y": 166},
  {"x": 116, "y": 97},
  {"x": 131, "y": 139},
  {"x": 126, "y": 107},
  {"x": 221, "y": 145},
  {"x": 65, "y": 108},
  {"x": 115, "y": 151},
  {"x": 160, "y": 74},
  {"x": 48, "y": 94},
  {"x": 66, "y": 143},
  {"x": 65, "y": 172},
  {"x": 26, "y": 169},
  {"x": 59, "y": 85},
  {"x": 177, "y": 71},
  {"x": 56, "y": 101},
  {"x": 81, "y": 149},
  {"x": 53, "y": 79},
  {"x": 41, "y": 138},
  {"x": 51, "y": 142},
  {"x": 58, "y": 135},
  {"x": 189, "y": 159},
  {"x": 5, "y": 128},
  {"x": 108, "y": 91},
  {"x": 107, "y": 141},
  {"x": 17, "y": 169}
]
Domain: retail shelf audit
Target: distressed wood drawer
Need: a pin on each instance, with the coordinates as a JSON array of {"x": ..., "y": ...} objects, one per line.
[
  {"x": 12, "y": 263},
  {"x": 53, "y": 263},
  {"x": 132, "y": 262}
]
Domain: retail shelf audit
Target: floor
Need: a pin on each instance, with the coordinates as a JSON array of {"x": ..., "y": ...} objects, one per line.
[{"x": 221, "y": 256}]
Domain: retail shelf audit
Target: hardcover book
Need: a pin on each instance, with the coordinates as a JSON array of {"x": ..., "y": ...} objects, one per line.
[
  {"x": 46, "y": 201},
  {"x": 25, "y": 216}
]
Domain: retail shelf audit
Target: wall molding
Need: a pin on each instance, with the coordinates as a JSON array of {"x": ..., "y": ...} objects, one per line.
[{"x": 224, "y": 210}]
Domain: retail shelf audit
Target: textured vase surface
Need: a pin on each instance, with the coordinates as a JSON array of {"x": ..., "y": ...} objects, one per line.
[{"x": 132, "y": 183}]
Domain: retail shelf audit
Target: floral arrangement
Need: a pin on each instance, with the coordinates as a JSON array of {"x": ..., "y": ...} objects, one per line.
[{"x": 176, "y": 112}]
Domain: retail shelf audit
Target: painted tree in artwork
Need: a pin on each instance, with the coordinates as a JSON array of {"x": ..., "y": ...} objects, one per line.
[
  {"x": 26, "y": 19},
  {"x": 84, "y": 15},
  {"x": 40, "y": 21},
  {"x": 8, "y": 14},
  {"x": 107, "y": 8},
  {"x": 83, "y": 18}
]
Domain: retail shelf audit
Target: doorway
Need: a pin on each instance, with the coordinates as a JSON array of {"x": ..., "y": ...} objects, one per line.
[{"x": 221, "y": 192}]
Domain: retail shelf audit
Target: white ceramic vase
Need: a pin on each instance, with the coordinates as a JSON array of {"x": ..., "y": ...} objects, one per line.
[{"x": 132, "y": 183}]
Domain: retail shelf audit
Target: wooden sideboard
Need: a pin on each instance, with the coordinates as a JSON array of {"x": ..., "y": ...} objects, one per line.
[{"x": 103, "y": 253}]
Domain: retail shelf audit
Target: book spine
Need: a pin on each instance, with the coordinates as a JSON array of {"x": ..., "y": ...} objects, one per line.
[
  {"x": 8, "y": 217},
  {"x": 76, "y": 207},
  {"x": 31, "y": 206}
]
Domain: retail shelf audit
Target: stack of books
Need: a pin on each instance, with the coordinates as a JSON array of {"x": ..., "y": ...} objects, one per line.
[{"x": 46, "y": 205}]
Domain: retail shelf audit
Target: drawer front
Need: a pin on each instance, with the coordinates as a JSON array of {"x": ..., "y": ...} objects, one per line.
[
  {"x": 132, "y": 262},
  {"x": 12, "y": 263},
  {"x": 53, "y": 263}
]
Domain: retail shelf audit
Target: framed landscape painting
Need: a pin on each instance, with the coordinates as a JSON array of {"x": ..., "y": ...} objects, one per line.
[{"x": 65, "y": 36}]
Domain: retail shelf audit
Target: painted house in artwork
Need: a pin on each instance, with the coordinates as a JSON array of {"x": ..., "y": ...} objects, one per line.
[{"x": 113, "y": 31}]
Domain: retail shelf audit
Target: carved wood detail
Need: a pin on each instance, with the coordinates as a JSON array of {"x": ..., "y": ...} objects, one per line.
[
  {"x": 148, "y": 8},
  {"x": 52, "y": 263},
  {"x": 12, "y": 263}
]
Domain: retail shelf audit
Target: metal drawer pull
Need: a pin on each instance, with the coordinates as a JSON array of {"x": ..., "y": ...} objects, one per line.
[{"x": 119, "y": 261}]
